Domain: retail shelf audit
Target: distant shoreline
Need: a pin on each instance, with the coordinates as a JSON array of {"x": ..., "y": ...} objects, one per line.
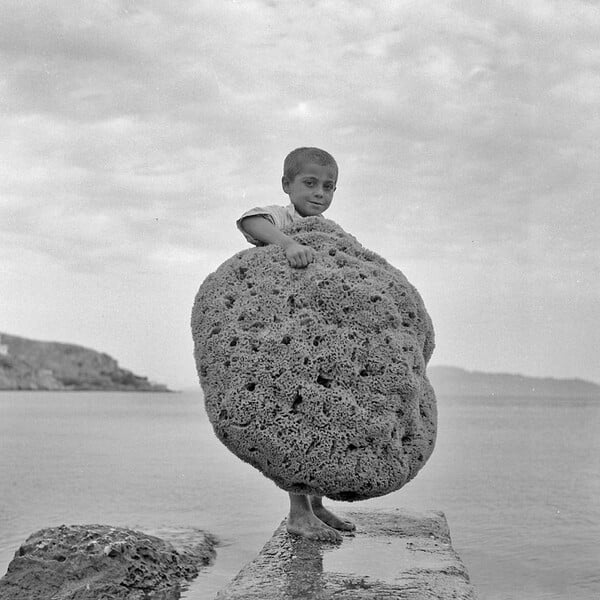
[
  {"x": 453, "y": 381},
  {"x": 94, "y": 391},
  {"x": 32, "y": 365}
]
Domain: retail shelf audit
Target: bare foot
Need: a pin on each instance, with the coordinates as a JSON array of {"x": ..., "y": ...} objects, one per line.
[
  {"x": 332, "y": 520},
  {"x": 311, "y": 527}
]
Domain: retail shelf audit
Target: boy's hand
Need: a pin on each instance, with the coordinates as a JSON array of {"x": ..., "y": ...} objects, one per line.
[
  {"x": 299, "y": 256},
  {"x": 262, "y": 229}
]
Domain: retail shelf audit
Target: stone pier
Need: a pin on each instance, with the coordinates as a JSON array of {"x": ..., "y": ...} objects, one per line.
[{"x": 393, "y": 554}]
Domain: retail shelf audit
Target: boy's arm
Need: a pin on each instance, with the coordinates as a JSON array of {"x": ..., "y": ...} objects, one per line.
[{"x": 263, "y": 230}]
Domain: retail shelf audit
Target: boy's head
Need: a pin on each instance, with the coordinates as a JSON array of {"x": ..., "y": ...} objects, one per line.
[
  {"x": 309, "y": 179},
  {"x": 297, "y": 158}
]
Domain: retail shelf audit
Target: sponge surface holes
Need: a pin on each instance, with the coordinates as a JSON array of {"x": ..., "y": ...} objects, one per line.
[{"x": 317, "y": 376}]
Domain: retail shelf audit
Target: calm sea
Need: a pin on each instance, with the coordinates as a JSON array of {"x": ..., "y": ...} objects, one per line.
[{"x": 518, "y": 479}]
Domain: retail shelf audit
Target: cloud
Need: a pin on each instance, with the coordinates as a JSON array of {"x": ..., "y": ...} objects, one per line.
[
  {"x": 134, "y": 134},
  {"x": 468, "y": 123}
]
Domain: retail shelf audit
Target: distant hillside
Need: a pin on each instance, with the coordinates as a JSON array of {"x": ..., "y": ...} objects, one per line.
[
  {"x": 458, "y": 382},
  {"x": 32, "y": 365}
]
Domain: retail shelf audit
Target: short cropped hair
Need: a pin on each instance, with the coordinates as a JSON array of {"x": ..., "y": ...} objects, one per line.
[{"x": 292, "y": 165}]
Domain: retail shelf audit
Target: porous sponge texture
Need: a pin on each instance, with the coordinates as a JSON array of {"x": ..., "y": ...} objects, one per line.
[{"x": 316, "y": 376}]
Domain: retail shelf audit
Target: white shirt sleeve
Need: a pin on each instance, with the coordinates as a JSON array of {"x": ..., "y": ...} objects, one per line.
[{"x": 278, "y": 215}]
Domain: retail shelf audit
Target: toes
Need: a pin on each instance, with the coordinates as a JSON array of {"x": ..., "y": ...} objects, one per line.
[
  {"x": 315, "y": 531},
  {"x": 334, "y": 536},
  {"x": 325, "y": 535}
]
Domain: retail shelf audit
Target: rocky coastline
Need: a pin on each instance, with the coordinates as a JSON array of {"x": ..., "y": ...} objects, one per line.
[{"x": 53, "y": 366}]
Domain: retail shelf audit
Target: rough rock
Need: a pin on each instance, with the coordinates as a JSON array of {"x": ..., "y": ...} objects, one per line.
[
  {"x": 317, "y": 376},
  {"x": 97, "y": 562},
  {"x": 393, "y": 554},
  {"x": 33, "y": 365}
]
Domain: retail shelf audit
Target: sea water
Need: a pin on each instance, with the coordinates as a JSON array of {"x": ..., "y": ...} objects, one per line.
[{"x": 518, "y": 480}]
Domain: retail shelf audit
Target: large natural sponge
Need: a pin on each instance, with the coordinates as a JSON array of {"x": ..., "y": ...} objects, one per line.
[{"x": 316, "y": 376}]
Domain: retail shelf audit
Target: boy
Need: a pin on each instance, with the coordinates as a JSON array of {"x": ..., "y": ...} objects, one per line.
[{"x": 309, "y": 179}]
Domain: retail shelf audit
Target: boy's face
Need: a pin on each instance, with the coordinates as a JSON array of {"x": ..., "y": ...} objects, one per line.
[{"x": 311, "y": 191}]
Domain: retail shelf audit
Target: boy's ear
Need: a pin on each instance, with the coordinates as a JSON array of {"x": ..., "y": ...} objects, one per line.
[{"x": 285, "y": 184}]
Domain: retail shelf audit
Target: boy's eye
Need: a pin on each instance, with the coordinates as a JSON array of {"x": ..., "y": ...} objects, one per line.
[
  {"x": 328, "y": 186},
  {"x": 309, "y": 183}
]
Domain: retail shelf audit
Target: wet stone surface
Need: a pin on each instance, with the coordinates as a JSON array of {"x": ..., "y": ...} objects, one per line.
[{"x": 393, "y": 554}]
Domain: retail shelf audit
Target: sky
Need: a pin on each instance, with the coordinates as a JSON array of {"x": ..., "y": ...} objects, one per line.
[{"x": 134, "y": 133}]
